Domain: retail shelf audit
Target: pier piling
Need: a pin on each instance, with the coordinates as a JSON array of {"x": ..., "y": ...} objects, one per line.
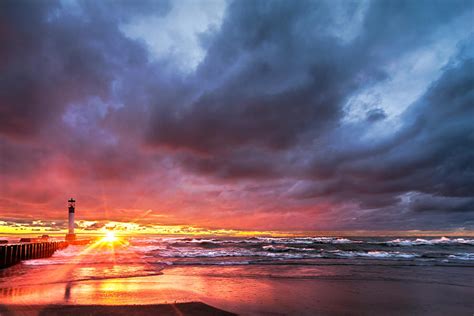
[
  {"x": 11, "y": 254},
  {"x": 3, "y": 256}
]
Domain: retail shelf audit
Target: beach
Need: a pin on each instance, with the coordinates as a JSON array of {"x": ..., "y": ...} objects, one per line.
[
  {"x": 180, "y": 309},
  {"x": 258, "y": 290},
  {"x": 318, "y": 286}
]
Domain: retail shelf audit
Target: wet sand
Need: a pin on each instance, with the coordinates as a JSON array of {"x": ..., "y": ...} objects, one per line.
[
  {"x": 266, "y": 290},
  {"x": 181, "y": 309}
]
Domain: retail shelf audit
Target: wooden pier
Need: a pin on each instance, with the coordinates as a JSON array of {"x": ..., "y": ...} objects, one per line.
[{"x": 11, "y": 254}]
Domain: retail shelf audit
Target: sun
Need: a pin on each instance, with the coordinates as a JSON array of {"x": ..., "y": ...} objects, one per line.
[{"x": 110, "y": 237}]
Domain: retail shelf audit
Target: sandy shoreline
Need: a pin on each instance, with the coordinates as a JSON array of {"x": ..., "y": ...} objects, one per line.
[
  {"x": 260, "y": 290},
  {"x": 179, "y": 309}
]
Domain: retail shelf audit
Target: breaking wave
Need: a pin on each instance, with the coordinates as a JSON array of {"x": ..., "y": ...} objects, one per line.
[
  {"x": 273, "y": 250},
  {"x": 429, "y": 242}
]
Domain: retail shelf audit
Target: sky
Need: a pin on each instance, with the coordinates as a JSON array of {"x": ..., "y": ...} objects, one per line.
[{"x": 237, "y": 115}]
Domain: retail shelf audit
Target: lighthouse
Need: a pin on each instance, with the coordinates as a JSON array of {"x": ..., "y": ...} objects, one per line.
[{"x": 71, "y": 209}]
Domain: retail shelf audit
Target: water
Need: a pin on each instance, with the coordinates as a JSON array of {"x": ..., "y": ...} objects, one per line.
[
  {"x": 248, "y": 275},
  {"x": 137, "y": 257},
  {"x": 272, "y": 251},
  {"x": 305, "y": 250}
]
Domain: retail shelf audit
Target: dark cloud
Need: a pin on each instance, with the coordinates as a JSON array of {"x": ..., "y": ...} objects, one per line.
[
  {"x": 59, "y": 55},
  {"x": 390, "y": 27},
  {"x": 91, "y": 226},
  {"x": 374, "y": 115},
  {"x": 423, "y": 202},
  {"x": 434, "y": 159},
  {"x": 275, "y": 77},
  {"x": 262, "y": 82},
  {"x": 85, "y": 108}
]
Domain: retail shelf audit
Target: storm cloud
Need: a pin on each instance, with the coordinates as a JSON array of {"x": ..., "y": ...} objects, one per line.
[{"x": 299, "y": 115}]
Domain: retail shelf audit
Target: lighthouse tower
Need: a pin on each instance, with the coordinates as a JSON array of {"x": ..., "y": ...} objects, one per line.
[{"x": 71, "y": 208}]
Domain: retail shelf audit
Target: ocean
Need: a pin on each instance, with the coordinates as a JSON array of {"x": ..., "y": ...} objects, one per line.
[{"x": 148, "y": 256}]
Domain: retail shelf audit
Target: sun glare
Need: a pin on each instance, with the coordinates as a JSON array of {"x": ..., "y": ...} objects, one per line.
[{"x": 110, "y": 237}]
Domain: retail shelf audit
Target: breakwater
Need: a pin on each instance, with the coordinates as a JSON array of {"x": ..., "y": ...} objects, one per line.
[{"x": 11, "y": 254}]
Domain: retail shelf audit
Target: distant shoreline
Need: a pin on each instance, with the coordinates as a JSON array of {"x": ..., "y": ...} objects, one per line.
[{"x": 367, "y": 234}]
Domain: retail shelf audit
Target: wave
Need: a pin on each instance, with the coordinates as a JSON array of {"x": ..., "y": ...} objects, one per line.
[
  {"x": 281, "y": 248},
  {"x": 303, "y": 240},
  {"x": 210, "y": 263},
  {"x": 462, "y": 256},
  {"x": 199, "y": 253},
  {"x": 285, "y": 248},
  {"x": 375, "y": 254},
  {"x": 150, "y": 248},
  {"x": 263, "y": 240},
  {"x": 429, "y": 242},
  {"x": 273, "y": 252},
  {"x": 215, "y": 242},
  {"x": 270, "y": 250}
]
